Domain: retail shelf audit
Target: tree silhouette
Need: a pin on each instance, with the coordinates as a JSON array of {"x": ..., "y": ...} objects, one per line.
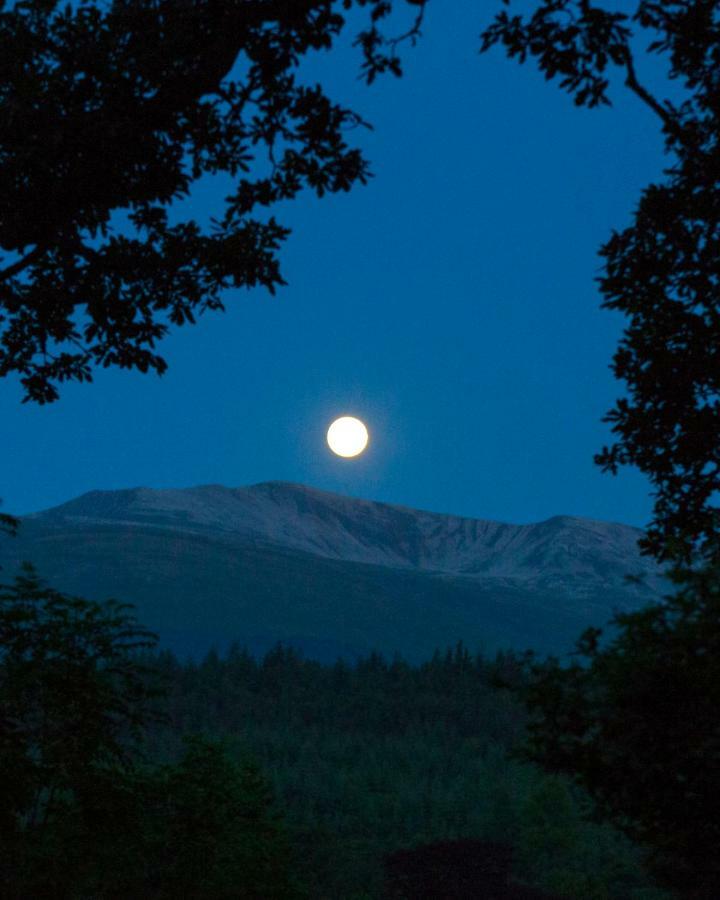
[
  {"x": 215, "y": 830},
  {"x": 117, "y": 111},
  {"x": 8, "y": 524},
  {"x": 661, "y": 271},
  {"x": 636, "y": 722},
  {"x": 636, "y": 725},
  {"x": 83, "y": 813},
  {"x": 73, "y": 702}
]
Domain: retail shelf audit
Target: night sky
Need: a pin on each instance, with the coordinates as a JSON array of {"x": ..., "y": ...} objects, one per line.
[{"x": 450, "y": 304}]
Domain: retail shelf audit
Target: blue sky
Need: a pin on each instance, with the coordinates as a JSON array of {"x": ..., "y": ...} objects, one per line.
[{"x": 450, "y": 304}]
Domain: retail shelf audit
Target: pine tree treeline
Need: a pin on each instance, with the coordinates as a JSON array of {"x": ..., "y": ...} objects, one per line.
[
  {"x": 377, "y": 756},
  {"x": 453, "y": 692},
  {"x": 126, "y": 773}
]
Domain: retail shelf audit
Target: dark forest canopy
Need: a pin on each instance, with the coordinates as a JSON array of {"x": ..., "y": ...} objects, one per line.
[
  {"x": 636, "y": 725},
  {"x": 128, "y": 773},
  {"x": 380, "y": 755},
  {"x": 120, "y": 108}
]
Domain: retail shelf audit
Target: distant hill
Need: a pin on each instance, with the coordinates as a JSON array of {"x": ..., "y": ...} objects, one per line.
[{"x": 332, "y": 574}]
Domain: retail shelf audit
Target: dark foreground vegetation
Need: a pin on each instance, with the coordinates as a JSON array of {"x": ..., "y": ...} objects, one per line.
[
  {"x": 377, "y": 779},
  {"x": 381, "y": 756}
]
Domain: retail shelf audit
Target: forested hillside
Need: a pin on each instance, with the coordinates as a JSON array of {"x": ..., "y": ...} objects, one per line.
[
  {"x": 128, "y": 773},
  {"x": 381, "y": 755}
]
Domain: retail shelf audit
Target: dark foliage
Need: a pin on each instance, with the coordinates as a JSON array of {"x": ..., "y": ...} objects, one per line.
[
  {"x": 636, "y": 725},
  {"x": 453, "y": 693},
  {"x": 117, "y": 110},
  {"x": 454, "y": 870},
  {"x": 364, "y": 759},
  {"x": 81, "y": 814},
  {"x": 204, "y": 827},
  {"x": 370, "y": 758},
  {"x": 214, "y": 832},
  {"x": 663, "y": 271},
  {"x": 73, "y": 703},
  {"x": 71, "y": 694},
  {"x": 8, "y": 524}
]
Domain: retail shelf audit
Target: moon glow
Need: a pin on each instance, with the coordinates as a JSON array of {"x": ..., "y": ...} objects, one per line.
[{"x": 347, "y": 437}]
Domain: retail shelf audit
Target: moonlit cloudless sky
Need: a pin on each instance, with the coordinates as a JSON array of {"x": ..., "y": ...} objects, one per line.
[{"x": 450, "y": 304}]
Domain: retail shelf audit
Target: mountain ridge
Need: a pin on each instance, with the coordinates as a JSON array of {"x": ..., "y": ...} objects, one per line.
[
  {"x": 297, "y": 517},
  {"x": 277, "y": 561}
]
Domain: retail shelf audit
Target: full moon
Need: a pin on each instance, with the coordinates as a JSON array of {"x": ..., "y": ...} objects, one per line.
[{"x": 347, "y": 436}]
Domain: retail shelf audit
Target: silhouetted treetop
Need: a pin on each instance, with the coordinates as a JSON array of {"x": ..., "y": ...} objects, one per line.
[
  {"x": 73, "y": 697},
  {"x": 662, "y": 271},
  {"x": 8, "y": 524},
  {"x": 118, "y": 110},
  {"x": 635, "y": 725}
]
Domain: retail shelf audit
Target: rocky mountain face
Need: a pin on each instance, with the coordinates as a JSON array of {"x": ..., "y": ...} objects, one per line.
[{"x": 331, "y": 573}]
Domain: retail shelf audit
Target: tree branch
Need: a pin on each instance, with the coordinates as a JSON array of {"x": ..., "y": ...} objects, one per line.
[
  {"x": 23, "y": 263},
  {"x": 216, "y": 58},
  {"x": 671, "y": 124},
  {"x": 414, "y": 33}
]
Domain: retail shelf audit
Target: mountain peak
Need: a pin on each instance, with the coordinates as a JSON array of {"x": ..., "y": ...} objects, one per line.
[
  {"x": 279, "y": 560},
  {"x": 300, "y": 518}
]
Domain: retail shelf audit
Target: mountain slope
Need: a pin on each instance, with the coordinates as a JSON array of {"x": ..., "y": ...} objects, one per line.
[{"x": 333, "y": 574}]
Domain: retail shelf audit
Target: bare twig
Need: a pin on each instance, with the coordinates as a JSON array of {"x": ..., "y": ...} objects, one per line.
[{"x": 413, "y": 34}]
